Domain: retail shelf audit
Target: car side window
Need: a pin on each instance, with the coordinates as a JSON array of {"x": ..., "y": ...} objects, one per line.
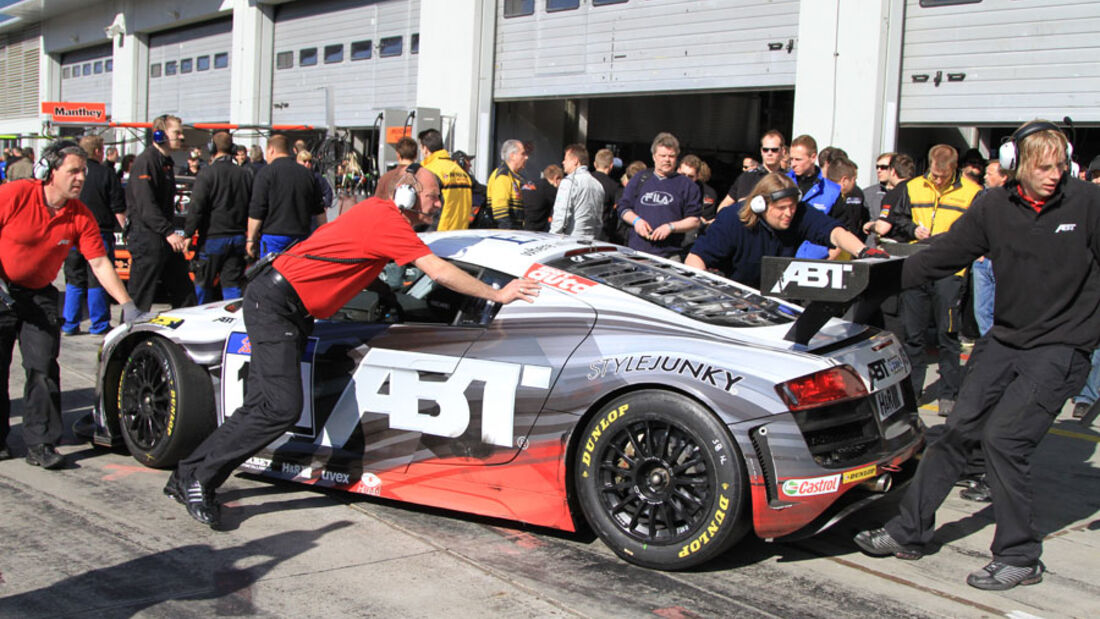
[{"x": 406, "y": 294}]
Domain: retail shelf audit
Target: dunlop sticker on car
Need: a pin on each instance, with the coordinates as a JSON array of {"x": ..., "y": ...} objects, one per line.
[{"x": 860, "y": 474}]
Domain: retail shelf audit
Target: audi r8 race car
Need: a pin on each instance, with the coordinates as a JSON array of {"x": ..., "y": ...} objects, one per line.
[{"x": 662, "y": 406}]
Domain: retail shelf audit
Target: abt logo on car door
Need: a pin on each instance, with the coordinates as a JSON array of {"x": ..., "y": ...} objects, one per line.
[{"x": 396, "y": 383}]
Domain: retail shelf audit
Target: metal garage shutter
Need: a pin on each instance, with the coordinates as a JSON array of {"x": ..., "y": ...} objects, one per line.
[
  {"x": 1000, "y": 62},
  {"x": 86, "y": 75},
  {"x": 19, "y": 56},
  {"x": 635, "y": 47},
  {"x": 189, "y": 72},
  {"x": 363, "y": 51}
]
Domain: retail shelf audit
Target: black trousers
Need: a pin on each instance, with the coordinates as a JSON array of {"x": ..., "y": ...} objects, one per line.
[
  {"x": 933, "y": 303},
  {"x": 278, "y": 326},
  {"x": 151, "y": 258},
  {"x": 35, "y": 322},
  {"x": 1008, "y": 400}
]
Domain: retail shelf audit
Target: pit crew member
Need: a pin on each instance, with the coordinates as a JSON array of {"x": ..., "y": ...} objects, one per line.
[
  {"x": 40, "y": 220},
  {"x": 315, "y": 278},
  {"x": 770, "y": 222},
  {"x": 1042, "y": 231}
]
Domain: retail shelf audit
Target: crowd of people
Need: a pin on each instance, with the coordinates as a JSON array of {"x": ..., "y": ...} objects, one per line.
[{"x": 268, "y": 205}]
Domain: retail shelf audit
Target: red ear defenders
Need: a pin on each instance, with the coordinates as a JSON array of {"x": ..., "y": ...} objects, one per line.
[{"x": 758, "y": 204}]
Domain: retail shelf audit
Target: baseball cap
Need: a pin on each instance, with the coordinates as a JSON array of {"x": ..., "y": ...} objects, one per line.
[
  {"x": 1094, "y": 165},
  {"x": 461, "y": 158}
]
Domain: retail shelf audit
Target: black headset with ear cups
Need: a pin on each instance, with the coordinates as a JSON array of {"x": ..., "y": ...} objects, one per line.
[
  {"x": 758, "y": 204},
  {"x": 1009, "y": 153},
  {"x": 51, "y": 159},
  {"x": 404, "y": 195}
]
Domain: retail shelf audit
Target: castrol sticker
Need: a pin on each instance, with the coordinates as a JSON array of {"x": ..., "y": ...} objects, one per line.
[
  {"x": 556, "y": 278},
  {"x": 812, "y": 486}
]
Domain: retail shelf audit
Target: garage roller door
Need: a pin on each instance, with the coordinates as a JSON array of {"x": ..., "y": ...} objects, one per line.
[
  {"x": 86, "y": 75},
  {"x": 364, "y": 52},
  {"x": 189, "y": 72}
]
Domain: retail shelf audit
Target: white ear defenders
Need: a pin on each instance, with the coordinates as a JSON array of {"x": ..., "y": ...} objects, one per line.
[
  {"x": 51, "y": 158},
  {"x": 1009, "y": 153},
  {"x": 758, "y": 204},
  {"x": 404, "y": 195}
]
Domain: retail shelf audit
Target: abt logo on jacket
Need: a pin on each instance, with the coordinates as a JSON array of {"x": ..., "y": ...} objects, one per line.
[{"x": 1065, "y": 228}]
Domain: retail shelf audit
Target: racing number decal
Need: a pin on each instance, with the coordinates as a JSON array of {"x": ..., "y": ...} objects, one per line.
[
  {"x": 238, "y": 353},
  {"x": 388, "y": 382}
]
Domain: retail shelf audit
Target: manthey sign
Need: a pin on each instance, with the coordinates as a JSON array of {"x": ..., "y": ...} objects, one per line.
[{"x": 75, "y": 112}]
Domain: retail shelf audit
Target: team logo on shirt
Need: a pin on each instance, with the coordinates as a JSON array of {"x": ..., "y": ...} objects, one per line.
[{"x": 656, "y": 198}]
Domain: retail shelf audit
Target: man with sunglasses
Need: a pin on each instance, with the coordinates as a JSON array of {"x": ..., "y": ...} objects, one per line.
[
  {"x": 772, "y": 147},
  {"x": 872, "y": 194}
]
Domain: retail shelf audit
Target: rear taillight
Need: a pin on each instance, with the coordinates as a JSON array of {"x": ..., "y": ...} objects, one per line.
[{"x": 825, "y": 387}]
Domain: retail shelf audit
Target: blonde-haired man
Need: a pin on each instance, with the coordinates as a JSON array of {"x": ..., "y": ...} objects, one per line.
[{"x": 1041, "y": 230}]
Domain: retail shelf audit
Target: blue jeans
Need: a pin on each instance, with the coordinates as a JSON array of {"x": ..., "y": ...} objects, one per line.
[
  {"x": 276, "y": 242},
  {"x": 1091, "y": 391},
  {"x": 220, "y": 258},
  {"x": 81, "y": 282},
  {"x": 984, "y": 283}
]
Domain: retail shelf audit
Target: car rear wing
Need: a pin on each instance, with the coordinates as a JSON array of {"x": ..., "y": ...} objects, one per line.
[{"x": 829, "y": 288}]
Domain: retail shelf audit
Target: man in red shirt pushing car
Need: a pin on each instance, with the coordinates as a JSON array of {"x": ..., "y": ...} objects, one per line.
[
  {"x": 315, "y": 278},
  {"x": 40, "y": 220}
]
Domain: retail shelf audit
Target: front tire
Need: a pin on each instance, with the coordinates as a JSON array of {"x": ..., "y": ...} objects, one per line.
[
  {"x": 661, "y": 481},
  {"x": 165, "y": 404}
]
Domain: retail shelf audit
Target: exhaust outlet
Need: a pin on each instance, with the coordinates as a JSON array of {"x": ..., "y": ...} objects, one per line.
[{"x": 882, "y": 483}]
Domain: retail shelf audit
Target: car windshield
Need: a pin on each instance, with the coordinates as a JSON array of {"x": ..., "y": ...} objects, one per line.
[{"x": 678, "y": 288}]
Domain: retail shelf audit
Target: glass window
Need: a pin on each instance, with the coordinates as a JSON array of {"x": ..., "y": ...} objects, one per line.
[
  {"x": 170, "y": 67},
  {"x": 98, "y": 67},
  {"x": 221, "y": 60},
  {"x": 561, "y": 5},
  {"x": 154, "y": 69},
  {"x": 307, "y": 57},
  {"x": 414, "y": 43},
  {"x": 603, "y": 2},
  {"x": 518, "y": 8},
  {"x": 109, "y": 65},
  {"x": 87, "y": 68},
  {"x": 389, "y": 46},
  {"x": 334, "y": 53},
  {"x": 186, "y": 65},
  {"x": 284, "y": 60},
  {"x": 66, "y": 73},
  {"x": 361, "y": 50},
  {"x": 202, "y": 63}
]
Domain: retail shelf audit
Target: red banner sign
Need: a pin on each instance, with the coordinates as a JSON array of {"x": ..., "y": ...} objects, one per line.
[{"x": 75, "y": 112}]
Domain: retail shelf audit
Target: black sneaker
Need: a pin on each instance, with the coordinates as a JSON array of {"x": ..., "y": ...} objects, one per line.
[
  {"x": 75, "y": 331},
  {"x": 44, "y": 456},
  {"x": 199, "y": 501},
  {"x": 998, "y": 576},
  {"x": 1080, "y": 408},
  {"x": 174, "y": 489},
  {"x": 977, "y": 490},
  {"x": 878, "y": 543},
  {"x": 5, "y": 453}
]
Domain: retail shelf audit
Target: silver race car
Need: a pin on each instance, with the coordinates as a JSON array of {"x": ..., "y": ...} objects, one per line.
[{"x": 670, "y": 410}]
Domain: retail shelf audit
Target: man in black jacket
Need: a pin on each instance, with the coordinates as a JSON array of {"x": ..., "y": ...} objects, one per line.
[
  {"x": 155, "y": 246},
  {"x": 1042, "y": 231},
  {"x": 285, "y": 202},
  {"x": 102, "y": 194},
  {"x": 219, "y": 213}
]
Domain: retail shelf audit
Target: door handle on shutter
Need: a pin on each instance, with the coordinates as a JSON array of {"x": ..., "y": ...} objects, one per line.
[{"x": 956, "y": 77}]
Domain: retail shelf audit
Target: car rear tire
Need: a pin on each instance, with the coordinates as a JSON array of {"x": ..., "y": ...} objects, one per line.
[
  {"x": 661, "y": 481},
  {"x": 165, "y": 403}
]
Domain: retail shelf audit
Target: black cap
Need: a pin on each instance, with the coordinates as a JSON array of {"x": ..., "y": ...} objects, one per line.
[
  {"x": 461, "y": 158},
  {"x": 1094, "y": 165}
]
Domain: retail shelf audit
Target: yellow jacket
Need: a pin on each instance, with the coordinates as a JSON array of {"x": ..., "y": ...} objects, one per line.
[
  {"x": 456, "y": 189},
  {"x": 922, "y": 204}
]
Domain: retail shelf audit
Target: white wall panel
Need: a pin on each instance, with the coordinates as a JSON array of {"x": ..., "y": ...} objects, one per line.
[
  {"x": 646, "y": 46},
  {"x": 359, "y": 89},
  {"x": 1022, "y": 59},
  {"x": 94, "y": 87},
  {"x": 198, "y": 96}
]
